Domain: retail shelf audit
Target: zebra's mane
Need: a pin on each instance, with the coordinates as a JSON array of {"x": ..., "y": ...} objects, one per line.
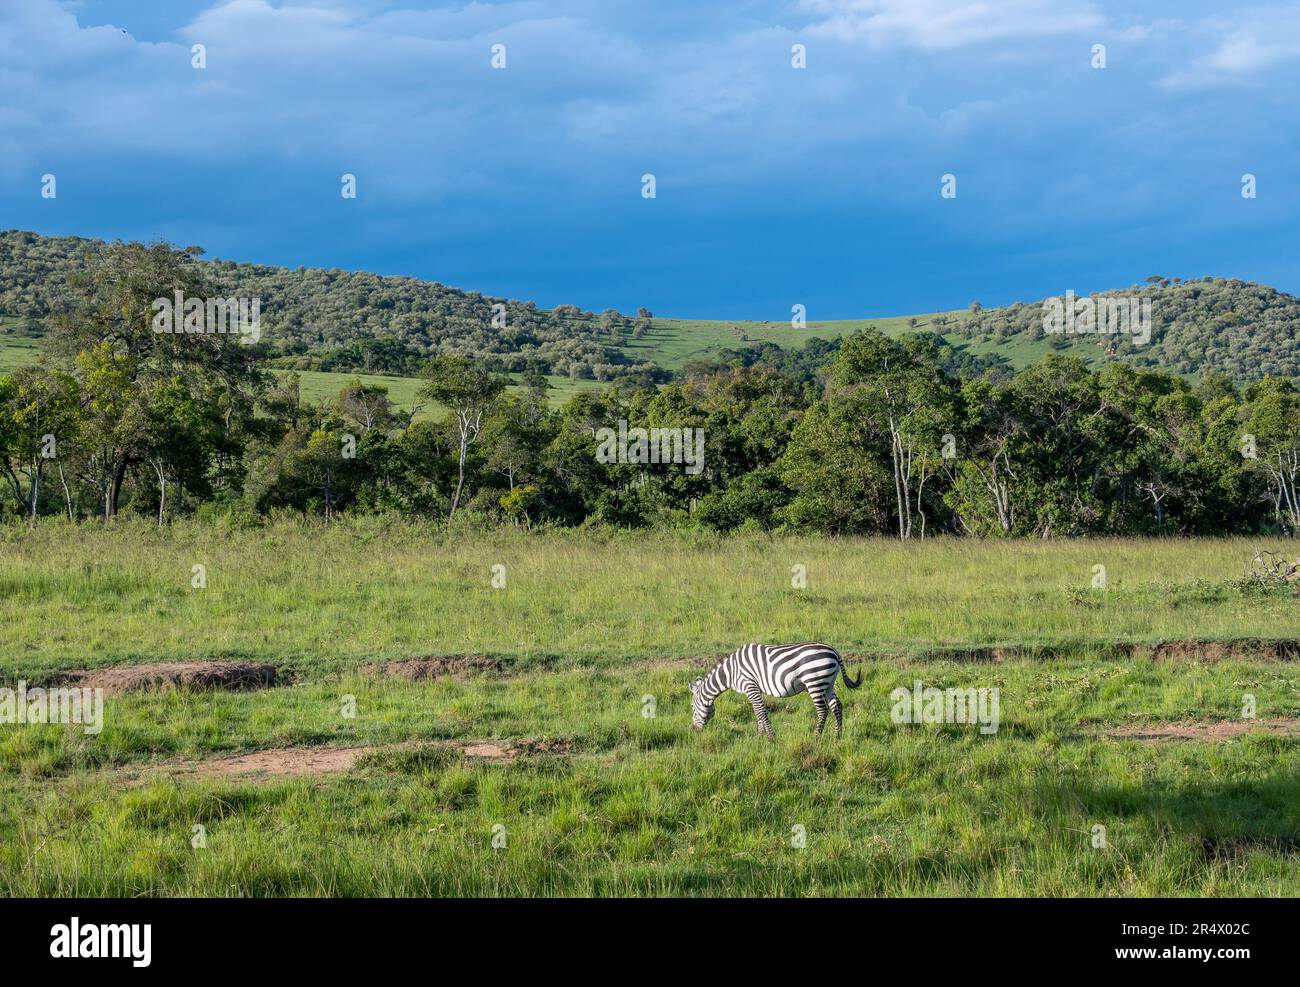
[{"x": 715, "y": 667}]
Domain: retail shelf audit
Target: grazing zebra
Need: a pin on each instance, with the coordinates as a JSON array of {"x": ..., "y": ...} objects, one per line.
[{"x": 774, "y": 670}]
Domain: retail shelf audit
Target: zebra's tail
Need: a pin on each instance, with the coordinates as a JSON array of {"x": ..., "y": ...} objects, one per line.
[{"x": 844, "y": 670}]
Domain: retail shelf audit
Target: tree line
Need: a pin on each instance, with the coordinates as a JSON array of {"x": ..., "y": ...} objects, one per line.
[{"x": 867, "y": 435}]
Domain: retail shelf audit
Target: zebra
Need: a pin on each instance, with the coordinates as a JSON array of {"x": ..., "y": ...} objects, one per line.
[{"x": 774, "y": 670}]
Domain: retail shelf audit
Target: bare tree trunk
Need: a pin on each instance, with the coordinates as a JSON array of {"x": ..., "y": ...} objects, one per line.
[
  {"x": 468, "y": 428},
  {"x": 1288, "y": 468},
  {"x": 898, "y": 480},
  {"x": 162, "y": 489},
  {"x": 67, "y": 494},
  {"x": 36, "y": 485},
  {"x": 920, "y": 493},
  {"x": 18, "y": 487},
  {"x": 460, "y": 482}
]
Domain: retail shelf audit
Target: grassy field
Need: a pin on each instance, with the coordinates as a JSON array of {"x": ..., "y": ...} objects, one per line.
[
  {"x": 321, "y": 386},
  {"x": 313, "y": 596},
  {"x": 589, "y": 634},
  {"x": 17, "y": 351},
  {"x": 670, "y": 343},
  {"x": 317, "y": 386}
]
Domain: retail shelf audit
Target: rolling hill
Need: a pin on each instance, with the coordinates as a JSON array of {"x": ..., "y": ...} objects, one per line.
[{"x": 332, "y": 324}]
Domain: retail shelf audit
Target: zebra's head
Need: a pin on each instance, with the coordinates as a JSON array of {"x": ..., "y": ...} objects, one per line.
[{"x": 701, "y": 708}]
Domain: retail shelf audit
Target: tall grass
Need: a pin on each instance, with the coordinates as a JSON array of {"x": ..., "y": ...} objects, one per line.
[{"x": 310, "y": 595}]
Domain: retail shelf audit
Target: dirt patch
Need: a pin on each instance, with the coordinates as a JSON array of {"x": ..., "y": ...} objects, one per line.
[
  {"x": 1208, "y": 730},
  {"x": 1248, "y": 648},
  {"x": 542, "y": 745},
  {"x": 977, "y": 655},
  {"x": 419, "y": 669},
  {"x": 281, "y": 762},
  {"x": 295, "y": 762},
  {"x": 233, "y": 675},
  {"x": 493, "y": 752}
]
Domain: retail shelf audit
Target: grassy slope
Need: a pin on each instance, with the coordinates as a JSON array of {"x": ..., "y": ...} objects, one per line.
[
  {"x": 670, "y": 343},
  {"x": 16, "y": 351},
  {"x": 320, "y": 386},
  {"x": 673, "y": 342},
  {"x": 640, "y": 805},
  {"x": 21, "y": 351}
]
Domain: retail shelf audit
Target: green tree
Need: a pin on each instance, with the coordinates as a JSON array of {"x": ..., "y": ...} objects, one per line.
[
  {"x": 898, "y": 389},
  {"x": 983, "y": 490},
  {"x": 365, "y": 406},
  {"x": 468, "y": 389},
  {"x": 1273, "y": 422},
  {"x": 109, "y": 338},
  {"x": 39, "y": 416}
]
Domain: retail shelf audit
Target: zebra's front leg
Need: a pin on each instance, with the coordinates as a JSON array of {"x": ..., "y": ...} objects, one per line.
[
  {"x": 838, "y": 710},
  {"x": 819, "y": 702},
  {"x": 760, "y": 711}
]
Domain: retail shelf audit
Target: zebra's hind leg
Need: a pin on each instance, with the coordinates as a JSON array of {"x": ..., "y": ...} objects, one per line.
[
  {"x": 819, "y": 702},
  {"x": 760, "y": 711},
  {"x": 838, "y": 710}
]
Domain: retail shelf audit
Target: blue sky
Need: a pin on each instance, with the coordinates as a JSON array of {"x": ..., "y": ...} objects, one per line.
[{"x": 775, "y": 186}]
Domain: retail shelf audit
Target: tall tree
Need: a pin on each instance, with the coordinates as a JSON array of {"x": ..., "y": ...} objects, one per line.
[
  {"x": 899, "y": 390},
  {"x": 1273, "y": 425},
  {"x": 467, "y": 389},
  {"x": 39, "y": 415},
  {"x": 109, "y": 337}
]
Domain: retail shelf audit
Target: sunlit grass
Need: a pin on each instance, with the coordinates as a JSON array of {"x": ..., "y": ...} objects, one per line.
[
  {"x": 316, "y": 596},
  {"x": 637, "y": 804},
  {"x": 645, "y": 806}
]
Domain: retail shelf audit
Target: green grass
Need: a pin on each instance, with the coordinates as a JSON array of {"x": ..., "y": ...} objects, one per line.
[
  {"x": 311, "y": 595},
  {"x": 16, "y": 351},
  {"x": 320, "y": 386},
  {"x": 638, "y": 805},
  {"x": 671, "y": 343},
  {"x": 645, "y": 806},
  {"x": 316, "y": 386}
]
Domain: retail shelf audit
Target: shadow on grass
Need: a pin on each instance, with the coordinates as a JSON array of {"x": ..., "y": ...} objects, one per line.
[{"x": 1221, "y": 820}]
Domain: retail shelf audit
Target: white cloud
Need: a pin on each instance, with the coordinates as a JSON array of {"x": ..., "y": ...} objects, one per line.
[
  {"x": 1248, "y": 51},
  {"x": 1240, "y": 49},
  {"x": 594, "y": 94},
  {"x": 940, "y": 24}
]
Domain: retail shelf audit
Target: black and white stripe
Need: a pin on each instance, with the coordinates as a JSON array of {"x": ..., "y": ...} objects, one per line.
[{"x": 759, "y": 670}]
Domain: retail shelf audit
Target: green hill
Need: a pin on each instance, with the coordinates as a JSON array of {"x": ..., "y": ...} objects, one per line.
[
  {"x": 332, "y": 324},
  {"x": 315, "y": 385},
  {"x": 673, "y": 343}
]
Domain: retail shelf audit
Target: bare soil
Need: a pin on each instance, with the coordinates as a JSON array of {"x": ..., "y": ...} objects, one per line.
[
  {"x": 295, "y": 762},
  {"x": 233, "y": 675},
  {"x": 1207, "y": 729},
  {"x": 419, "y": 669},
  {"x": 1247, "y": 649}
]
